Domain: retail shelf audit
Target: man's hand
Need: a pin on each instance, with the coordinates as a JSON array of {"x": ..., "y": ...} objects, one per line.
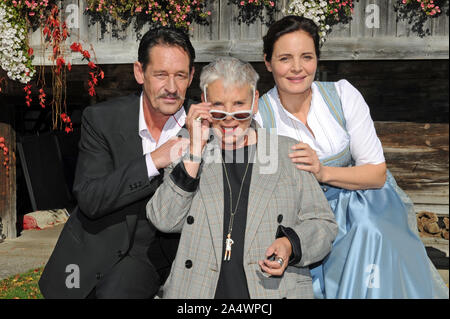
[{"x": 169, "y": 152}]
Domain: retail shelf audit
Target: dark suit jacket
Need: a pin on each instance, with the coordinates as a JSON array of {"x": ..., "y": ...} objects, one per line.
[{"x": 112, "y": 188}]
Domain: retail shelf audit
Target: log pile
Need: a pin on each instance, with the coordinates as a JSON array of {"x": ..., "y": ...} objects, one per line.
[{"x": 430, "y": 225}]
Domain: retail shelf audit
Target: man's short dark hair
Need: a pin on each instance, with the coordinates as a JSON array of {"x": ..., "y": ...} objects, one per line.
[{"x": 164, "y": 36}]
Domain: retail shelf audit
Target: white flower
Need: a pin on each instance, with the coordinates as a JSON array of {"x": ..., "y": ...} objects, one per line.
[
  {"x": 13, "y": 56},
  {"x": 314, "y": 10}
]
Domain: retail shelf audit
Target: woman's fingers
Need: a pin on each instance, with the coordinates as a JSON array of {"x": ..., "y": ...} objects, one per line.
[
  {"x": 299, "y": 154},
  {"x": 307, "y": 168},
  {"x": 301, "y": 146},
  {"x": 199, "y": 110},
  {"x": 304, "y": 159},
  {"x": 272, "y": 267}
]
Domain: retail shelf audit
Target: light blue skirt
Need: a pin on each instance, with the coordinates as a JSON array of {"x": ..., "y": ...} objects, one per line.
[{"x": 375, "y": 254}]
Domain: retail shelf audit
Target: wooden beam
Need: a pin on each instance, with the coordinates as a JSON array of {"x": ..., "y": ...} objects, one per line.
[
  {"x": 381, "y": 48},
  {"x": 8, "y": 177}
]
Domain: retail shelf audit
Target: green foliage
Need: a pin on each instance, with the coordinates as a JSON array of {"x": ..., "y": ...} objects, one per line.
[{"x": 22, "y": 286}]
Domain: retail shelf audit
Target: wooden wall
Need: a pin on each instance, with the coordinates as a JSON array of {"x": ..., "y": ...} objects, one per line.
[
  {"x": 8, "y": 177},
  {"x": 224, "y": 36}
]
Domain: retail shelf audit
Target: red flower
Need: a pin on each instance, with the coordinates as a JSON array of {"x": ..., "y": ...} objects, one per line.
[
  {"x": 46, "y": 31},
  {"x": 86, "y": 54},
  {"x": 92, "y": 65},
  {"x": 76, "y": 47},
  {"x": 69, "y": 66},
  {"x": 91, "y": 90},
  {"x": 60, "y": 62},
  {"x": 30, "y": 51}
]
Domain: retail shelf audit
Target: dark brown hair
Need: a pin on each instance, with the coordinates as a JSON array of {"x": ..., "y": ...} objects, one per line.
[
  {"x": 164, "y": 36},
  {"x": 287, "y": 25}
]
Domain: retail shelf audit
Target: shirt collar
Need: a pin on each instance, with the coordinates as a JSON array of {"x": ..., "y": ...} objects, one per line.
[
  {"x": 177, "y": 120},
  {"x": 273, "y": 93}
]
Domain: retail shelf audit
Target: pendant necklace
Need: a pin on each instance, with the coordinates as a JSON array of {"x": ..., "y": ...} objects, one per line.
[{"x": 228, "y": 241}]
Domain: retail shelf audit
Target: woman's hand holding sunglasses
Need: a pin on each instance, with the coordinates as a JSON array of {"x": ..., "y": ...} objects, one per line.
[{"x": 198, "y": 122}]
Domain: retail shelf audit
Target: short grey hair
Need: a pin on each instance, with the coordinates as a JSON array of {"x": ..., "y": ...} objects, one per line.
[{"x": 231, "y": 71}]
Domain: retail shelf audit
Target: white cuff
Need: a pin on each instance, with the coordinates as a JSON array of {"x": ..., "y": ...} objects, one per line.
[{"x": 151, "y": 169}]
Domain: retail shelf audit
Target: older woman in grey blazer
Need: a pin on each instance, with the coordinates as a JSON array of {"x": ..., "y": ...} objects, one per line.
[{"x": 250, "y": 222}]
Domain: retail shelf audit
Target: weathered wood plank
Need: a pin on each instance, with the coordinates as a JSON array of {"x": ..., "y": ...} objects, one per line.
[
  {"x": 347, "y": 42},
  {"x": 214, "y": 7},
  {"x": 417, "y": 155},
  {"x": 357, "y": 27},
  {"x": 8, "y": 177},
  {"x": 440, "y": 209},
  {"x": 224, "y": 21},
  {"x": 235, "y": 27},
  {"x": 384, "y": 17},
  {"x": 391, "y": 21}
]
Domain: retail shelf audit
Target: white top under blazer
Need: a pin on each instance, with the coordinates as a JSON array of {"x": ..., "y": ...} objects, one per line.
[{"x": 330, "y": 138}]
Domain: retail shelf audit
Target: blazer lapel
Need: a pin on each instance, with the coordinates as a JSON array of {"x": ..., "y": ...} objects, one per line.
[
  {"x": 129, "y": 131},
  {"x": 261, "y": 188},
  {"x": 211, "y": 191}
]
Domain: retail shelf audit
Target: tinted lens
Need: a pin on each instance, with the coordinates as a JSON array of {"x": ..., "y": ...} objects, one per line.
[
  {"x": 242, "y": 116},
  {"x": 218, "y": 115}
]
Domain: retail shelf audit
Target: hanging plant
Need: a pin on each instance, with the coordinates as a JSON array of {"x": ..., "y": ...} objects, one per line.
[
  {"x": 418, "y": 12},
  {"x": 5, "y": 151},
  {"x": 251, "y": 10},
  {"x": 17, "y": 17},
  {"x": 325, "y": 14},
  {"x": 15, "y": 57},
  {"x": 121, "y": 13}
]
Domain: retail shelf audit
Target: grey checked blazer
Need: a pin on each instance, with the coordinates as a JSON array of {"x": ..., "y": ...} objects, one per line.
[{"x": 287, "y": 191}]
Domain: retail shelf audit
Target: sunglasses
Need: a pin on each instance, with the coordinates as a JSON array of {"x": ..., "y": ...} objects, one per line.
[{"x": 239, "y": 115}]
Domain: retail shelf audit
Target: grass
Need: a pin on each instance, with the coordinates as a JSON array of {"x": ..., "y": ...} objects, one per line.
[{"x": 22, "y": 286}]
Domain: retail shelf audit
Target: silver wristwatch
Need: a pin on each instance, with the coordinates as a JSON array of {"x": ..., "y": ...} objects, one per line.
[{"x": 192, "y": 158}]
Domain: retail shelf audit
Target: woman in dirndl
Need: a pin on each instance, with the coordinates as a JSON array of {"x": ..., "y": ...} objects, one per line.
[{"x": 377, "y": 253}]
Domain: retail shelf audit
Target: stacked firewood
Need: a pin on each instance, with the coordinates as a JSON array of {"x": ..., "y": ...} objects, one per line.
[{"x": 431, "y": 225}]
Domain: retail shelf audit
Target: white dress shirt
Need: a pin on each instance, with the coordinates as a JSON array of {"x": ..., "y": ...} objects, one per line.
[
  {"x": 170, "y": 129},
  {"x": 329, "y": 137}
]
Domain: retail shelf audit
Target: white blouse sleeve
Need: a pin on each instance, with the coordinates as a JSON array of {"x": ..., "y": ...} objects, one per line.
[
  {"x": 257, "y": 117},
  {"x": 365, "y": 145}
]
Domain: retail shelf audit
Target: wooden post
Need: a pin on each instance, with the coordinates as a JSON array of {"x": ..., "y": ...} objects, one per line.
[{"x": 8, "y": 175}]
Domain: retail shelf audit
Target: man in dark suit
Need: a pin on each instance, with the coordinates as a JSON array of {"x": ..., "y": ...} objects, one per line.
[{"x": 107, "y": 248}]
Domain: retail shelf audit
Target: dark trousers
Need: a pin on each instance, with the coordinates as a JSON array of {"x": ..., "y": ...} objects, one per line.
[
  {"x": 135, "y": 276},
  {"x": 131, "y": 278}
]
